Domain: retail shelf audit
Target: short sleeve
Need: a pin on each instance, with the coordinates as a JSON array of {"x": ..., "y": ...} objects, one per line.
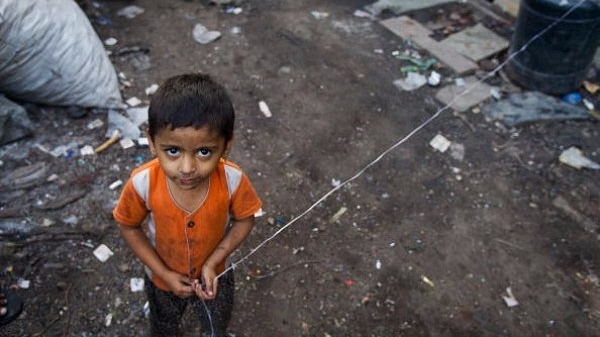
[
  {"x": 131, "y": 208},
  {"x": 244, "y": 201}
]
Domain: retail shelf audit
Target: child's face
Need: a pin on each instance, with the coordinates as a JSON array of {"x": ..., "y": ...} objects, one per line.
[{"x": 188, "y": 155}]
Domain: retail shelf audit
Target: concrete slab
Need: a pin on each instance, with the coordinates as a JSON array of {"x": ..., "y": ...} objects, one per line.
[
  {"x": 476, "y": 43},
  {"x": 400, "y": 6},
  {"x": 463, "y": 101},
  {"x": 409, "y": 29},
  {"x": 509, "y": 6}
]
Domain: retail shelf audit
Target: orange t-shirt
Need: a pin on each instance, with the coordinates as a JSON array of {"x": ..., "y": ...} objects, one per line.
[{"x": 183, "y": 239}]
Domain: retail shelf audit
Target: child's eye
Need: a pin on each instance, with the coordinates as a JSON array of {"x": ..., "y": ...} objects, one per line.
[
  {"x": 172, "y": 152},
  {"x": 204, "y": 153}
]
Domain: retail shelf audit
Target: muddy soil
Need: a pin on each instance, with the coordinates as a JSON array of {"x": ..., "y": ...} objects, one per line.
[{"x": 420, "y": 243}]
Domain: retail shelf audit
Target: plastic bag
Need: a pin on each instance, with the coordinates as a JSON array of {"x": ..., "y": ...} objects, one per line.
[{"x": 50, "y": 54}]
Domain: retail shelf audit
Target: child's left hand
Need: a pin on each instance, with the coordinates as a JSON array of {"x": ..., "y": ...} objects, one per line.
[{"x": 206, "y": 288}]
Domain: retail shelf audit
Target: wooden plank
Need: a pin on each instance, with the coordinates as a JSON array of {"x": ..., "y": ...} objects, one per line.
[{"x": 409, "y": 29}]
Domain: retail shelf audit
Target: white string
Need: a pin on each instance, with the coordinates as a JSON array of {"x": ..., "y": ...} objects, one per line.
[{"x": 403, "y": 140}]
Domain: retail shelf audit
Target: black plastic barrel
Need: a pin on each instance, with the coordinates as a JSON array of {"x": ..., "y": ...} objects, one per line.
[{"x": 558, "y": 60}]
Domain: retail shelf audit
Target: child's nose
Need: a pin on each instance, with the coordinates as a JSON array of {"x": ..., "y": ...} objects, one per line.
[{"x": 188, "y": 164}]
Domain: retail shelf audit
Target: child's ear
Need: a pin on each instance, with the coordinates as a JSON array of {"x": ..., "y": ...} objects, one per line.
[
  {"x": 228, "y": 148},
  {"x": 151, "y": 144}
]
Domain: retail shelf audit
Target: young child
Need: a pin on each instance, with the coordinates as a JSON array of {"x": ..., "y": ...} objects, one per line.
[{"x": 198, "y": 206}]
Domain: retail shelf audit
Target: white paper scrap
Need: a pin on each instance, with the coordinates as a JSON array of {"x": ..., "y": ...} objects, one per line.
[
  {"x": 151, "y": 89},
  {"x": 134, "y": 101},
  {"x": 115, "y": 184},
  {"x": 143, "y": 141},
  {"x": 136, "y": 284},
  {"x": 440, "y": 143},
  {"x": 574, "y": 158},
  {"x": 87, "y": 150},
  {"x": 96, "y": 123},
  {"x": 126, "y": 143},
  {"x": 264, "y": 108},
  {"x": 23, "y": 283},
  {"x": 510, "y": 299},
  {"x": 103, "y": 253}
]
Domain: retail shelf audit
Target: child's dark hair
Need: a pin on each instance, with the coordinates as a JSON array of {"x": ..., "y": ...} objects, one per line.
[{"x": 191, "y": 100}]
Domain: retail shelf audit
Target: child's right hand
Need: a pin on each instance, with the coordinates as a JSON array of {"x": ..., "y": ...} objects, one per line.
[{"x": 180, "y": 285}]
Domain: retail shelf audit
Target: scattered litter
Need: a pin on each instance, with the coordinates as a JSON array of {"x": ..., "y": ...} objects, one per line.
[
  {"x": 138, "y": 115},
  {"x": 234, "y": 10},
  {"x": 151, "y": 89},
  {"x": 111, "y": 41},
  {"x": 460, "y": 82},
  {"x": 510, "y": 299},
  {"x": 434, "y": 79},
  {"x": 113, "y": 139},
  {"x": 87, "y": 150},
  {"x": 588, "y": 104},
  {"x": 319, "y": 15},
  {"x": 134, "y": 101},
  {"x": 125, "y": 125},
  {"x": 349, "y": 283},
  {"x": 23, "y": 283},
  {"x": 440, "y": 143},
  {"x": 259, "y": 213},
  {"x": 335, "y": 182},
  {"x": 126, "y": 143},
  {"x": 103, "y": 253},
  {"x": 204, "y": 36},
  {"x": 378, "y": 264},
  {"x": 412, "y": 81},
  {"x": 115, "y": 184},
  {"x": 532, "y": 106},
  {"x": 96, "y": 123},
  {"x": 338, "y": 214},
  {"x": 130, "y": 12},
  {"x": 146, "y": 309},
  {"x": 574, "y": 158},
  {"x": 417, "y": 62},
  {"x": 427, "y": 281},
  {"x": 573, "y": 98},
  {"x": 71, "y": 220},
  {"x": 495, "y": 92},
  {"x": 297, "y": 250},
  {"x": 363, "y": 14},
  {"x": 67, "y": 151},
  {"x": 457, "y": 151},
  {"x": 143, "y": 141},
  {"x": 264, "y": 108},
  {"x": 136, "y": 284},
  {"x": 86, "y": 244},
  {"x": 235, "y": 30},
  {"x": 103, "y": 21},
  {"x": 108, "y": 319},
  {"x": 47, "y": 222}
]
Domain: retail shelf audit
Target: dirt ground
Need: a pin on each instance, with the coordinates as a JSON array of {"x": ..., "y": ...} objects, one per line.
[{"x": 419, "y": 244}]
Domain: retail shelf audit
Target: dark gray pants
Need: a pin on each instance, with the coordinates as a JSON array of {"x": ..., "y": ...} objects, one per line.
[{"x": 166, "y": 309}]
